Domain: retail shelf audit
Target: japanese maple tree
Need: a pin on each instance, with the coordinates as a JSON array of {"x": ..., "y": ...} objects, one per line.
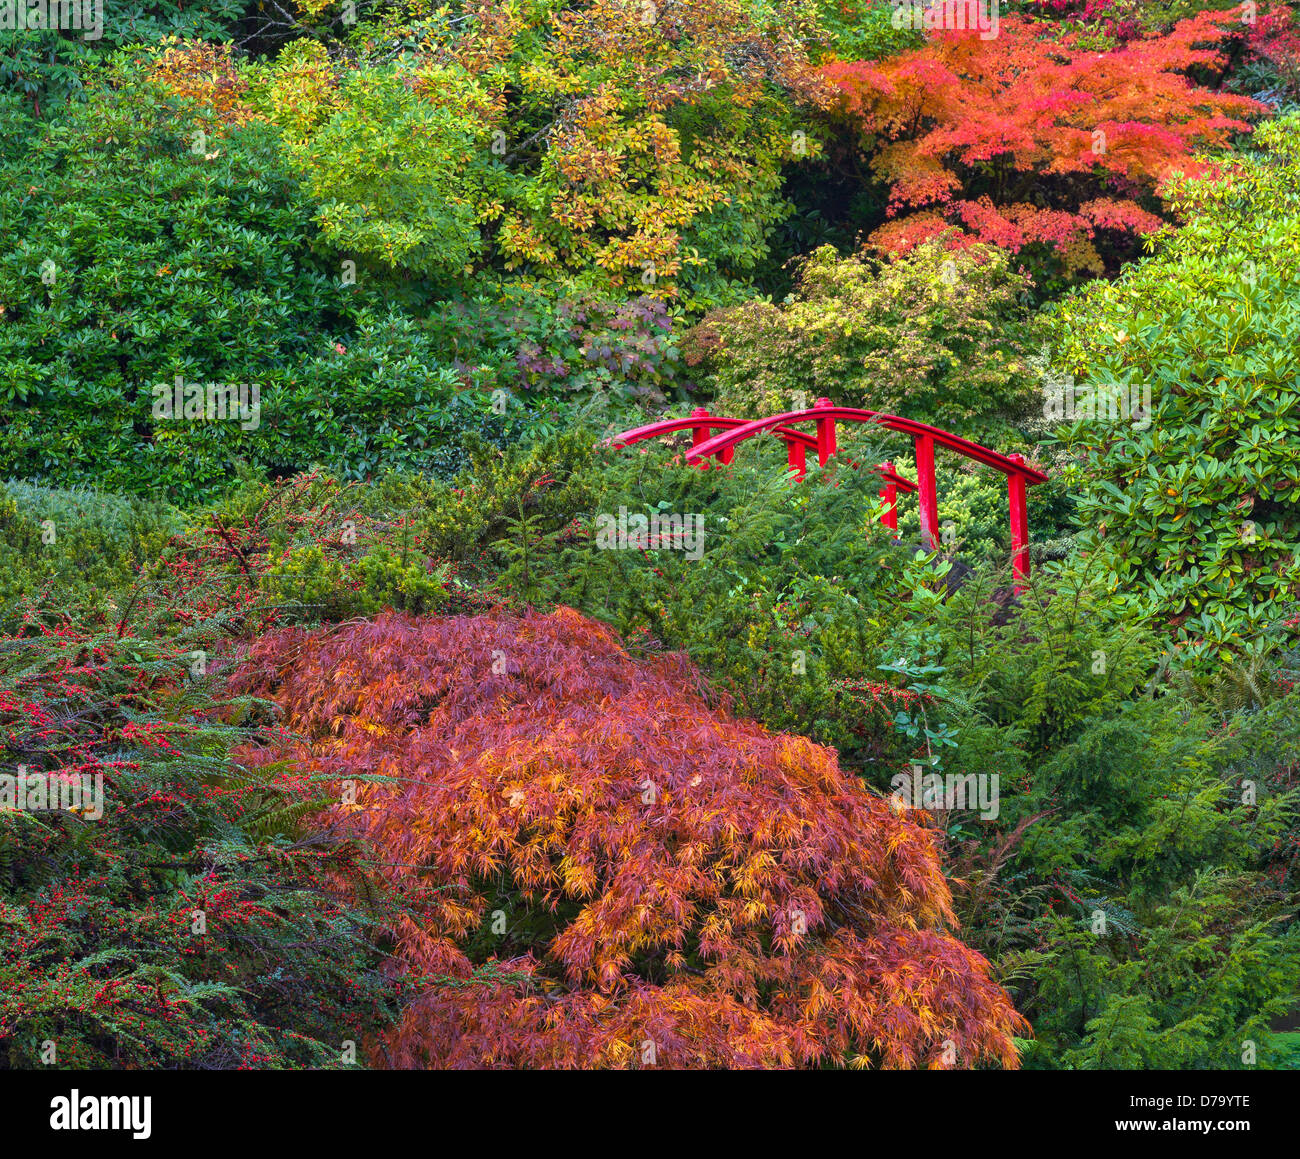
[
  {"x": 648, "y": 880},
  {"x": 1025, "y": 141}
]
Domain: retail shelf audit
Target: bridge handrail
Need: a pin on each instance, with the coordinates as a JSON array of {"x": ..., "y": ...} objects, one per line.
[
  {"x": 826, "y": 414},
  {"x": 989, "y": 458},
  {"x": 670, "y": 426},
  {"x": 789, "y": 434}
]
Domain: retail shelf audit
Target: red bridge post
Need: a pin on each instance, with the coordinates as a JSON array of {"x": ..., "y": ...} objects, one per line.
[
  {"x": 794, "y": 453},
  {"x": 927, "y": 492},
  {"x": 889, "y": 493},
  {"x": 1019, "y": 525},
  {"x": 825, "y": 433},
  {"x": 701, "y": 434}
]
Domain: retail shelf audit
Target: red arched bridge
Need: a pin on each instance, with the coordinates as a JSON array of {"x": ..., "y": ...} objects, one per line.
[{"x": 824, "y": 414}]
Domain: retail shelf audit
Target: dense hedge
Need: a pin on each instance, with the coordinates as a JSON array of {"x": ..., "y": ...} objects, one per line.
[
  {"x": 1193, "y": 510},
  {"x": 145, "y": 253}
]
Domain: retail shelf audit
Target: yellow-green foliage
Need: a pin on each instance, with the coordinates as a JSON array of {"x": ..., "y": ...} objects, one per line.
[
  {"x": 406, "y": 583},
  {"x": 325, "y": 588},
  {"x": 399, "y": 176},
  {"x": 77, "y": 544},
  {"x": 936, "y": 336}
]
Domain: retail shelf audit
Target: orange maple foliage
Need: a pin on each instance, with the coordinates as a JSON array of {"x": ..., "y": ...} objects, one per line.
[
  {"x": 1021, "y": 139},
  {"x": 670, "y": 885},
  {"x": 205, "y": 73}
]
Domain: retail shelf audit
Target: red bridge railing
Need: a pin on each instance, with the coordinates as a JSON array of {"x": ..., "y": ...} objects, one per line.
[{"x": 824, "y": 414}]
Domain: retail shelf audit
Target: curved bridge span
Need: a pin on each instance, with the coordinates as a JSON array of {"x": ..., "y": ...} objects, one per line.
[{"x": 824, "y": 415}]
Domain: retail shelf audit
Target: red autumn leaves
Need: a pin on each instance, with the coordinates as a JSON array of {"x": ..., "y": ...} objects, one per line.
[
  {"x": 645, "y": 880},
  {"x": 1028, "y": 139}
]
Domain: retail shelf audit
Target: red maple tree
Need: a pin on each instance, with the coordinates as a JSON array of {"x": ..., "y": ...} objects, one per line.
[
  {"x": 657, "y": 882},
  {"x": 1024, "y": 139}
]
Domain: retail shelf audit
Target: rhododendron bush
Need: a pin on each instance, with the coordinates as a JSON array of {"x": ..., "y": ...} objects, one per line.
[
  {"x": 664, "y": 884},
  {"x": 1193, "y": 515},
  {"x": 1034, "y": 143}
]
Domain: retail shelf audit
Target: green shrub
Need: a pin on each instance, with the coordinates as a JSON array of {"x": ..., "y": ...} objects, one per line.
[
  {"x": 324, "y": 588},
  {"x": 559, "y": 340},
  {"x": 83, "y": 545},
  {"x": 974, "y": 510},
  {"x": 387, "y": 400},
  {"x": 864, "y": 29},
  {"x": 1193, "y": 517},
  {"x": 398, "y": 177},
  {"x": 935, "y": 336},
  {"x": 140, "y": 259},
  {"x": 1130, "y": 825},
  {"x": 1174, "y": 941},
  {"x": 137, "y": 260},
  {"x": 314, "y": 548},
  {"x": 404, "y": 582}
]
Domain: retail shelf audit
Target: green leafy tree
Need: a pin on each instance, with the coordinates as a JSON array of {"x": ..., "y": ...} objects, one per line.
[{"x": 400, "y": 178}]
